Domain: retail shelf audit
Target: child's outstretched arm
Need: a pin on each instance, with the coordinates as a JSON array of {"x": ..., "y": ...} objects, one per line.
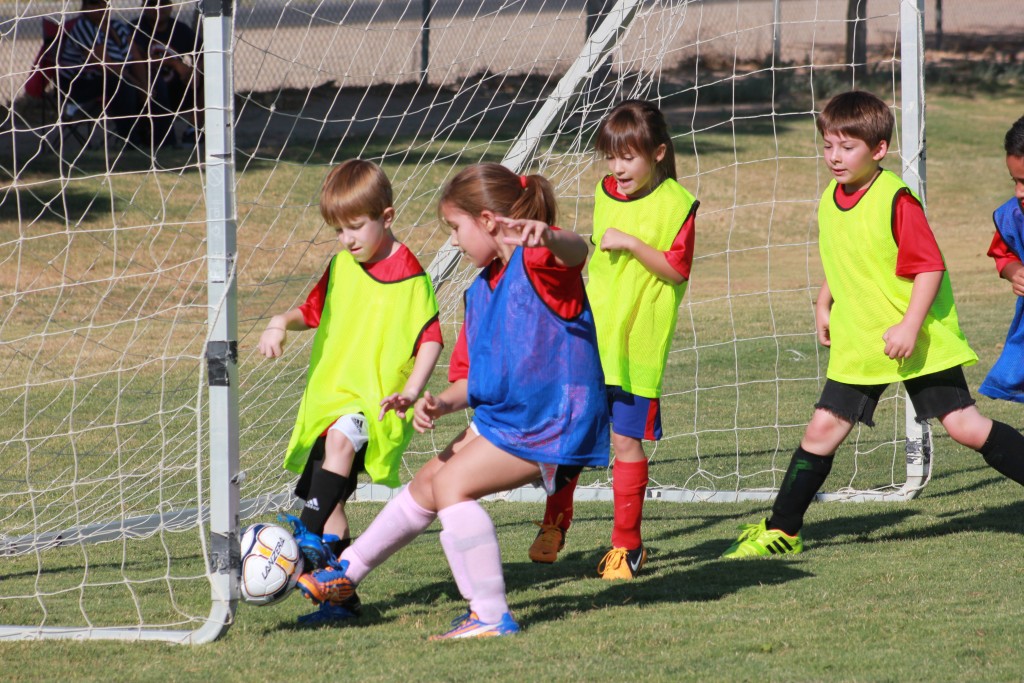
[
  {"x": 273, "y": 338},
  {"x": 430, "y": 407},
  {"x": 652, "y": 259},
  {"x": 901, "y": 338},
  {"x": 1013, "y": 272},
  {"x": 426, "y": 359},
  {"x": 569, "y": 248}
]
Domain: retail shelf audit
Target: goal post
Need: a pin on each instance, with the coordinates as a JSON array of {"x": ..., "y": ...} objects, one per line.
[{"x": 214, "y": 523}]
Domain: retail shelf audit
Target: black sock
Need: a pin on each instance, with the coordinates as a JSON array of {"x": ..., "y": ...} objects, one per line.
[
  {"x": 1004, "y": 451},
  {"x": 325, "y": 491},
  {"x": 806, "y": 473},
  {"x": 338, "y": 546}
]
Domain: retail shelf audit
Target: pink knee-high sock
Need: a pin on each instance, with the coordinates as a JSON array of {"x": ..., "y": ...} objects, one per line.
[
  {"x": 471, "y": 545},
  {"x": 401, "y": 520},
  {"x": 458, "y": 566}
]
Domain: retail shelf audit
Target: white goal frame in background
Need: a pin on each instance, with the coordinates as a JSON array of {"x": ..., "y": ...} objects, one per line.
[{"x": 221, "y": 510}]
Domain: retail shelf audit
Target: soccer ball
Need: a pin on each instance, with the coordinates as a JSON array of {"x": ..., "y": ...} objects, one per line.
[{"x": 271, "y": 563}]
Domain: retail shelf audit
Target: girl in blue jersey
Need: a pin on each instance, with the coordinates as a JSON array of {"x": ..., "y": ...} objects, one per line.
[{"x": 526, "y": 361}]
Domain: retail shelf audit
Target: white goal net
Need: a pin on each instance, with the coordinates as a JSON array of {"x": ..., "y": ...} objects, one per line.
[{"x": 135, "y": 432}]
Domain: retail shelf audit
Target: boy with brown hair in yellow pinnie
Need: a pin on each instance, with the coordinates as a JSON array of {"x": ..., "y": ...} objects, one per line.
[
  {"x": 377, "y": 342},
  {"x": 886, "y": 311}
]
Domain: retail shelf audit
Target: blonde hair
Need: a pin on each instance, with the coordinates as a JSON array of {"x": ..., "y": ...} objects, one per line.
[
  {"x": 354, "y": 188},
  {"x": 492, "y": 187},
  {"x": 857, "y": 114},
  {"x": 638, "y": 127}
]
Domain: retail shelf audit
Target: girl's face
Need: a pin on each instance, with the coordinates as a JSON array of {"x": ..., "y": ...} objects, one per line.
[
  {"x": 634, "y": 172},
  {"x": 472, "y": 235}
]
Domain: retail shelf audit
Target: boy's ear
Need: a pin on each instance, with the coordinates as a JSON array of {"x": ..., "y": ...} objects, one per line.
[
  {"x": 880, "y": 150},
  {"x": 389, "y": 217}
]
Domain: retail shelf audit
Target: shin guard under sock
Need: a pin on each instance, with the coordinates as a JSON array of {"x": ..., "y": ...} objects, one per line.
[
  {"x": 325, "y": 491},
  {"x": 558, "y": 509},
  {"x": 471, "y": 546},
  {"x": 401, "y": 520},
  {"x": 1004, "y": 451},
  {"x": 806, "y": 473},
  {"x": 629, "y": 486}
]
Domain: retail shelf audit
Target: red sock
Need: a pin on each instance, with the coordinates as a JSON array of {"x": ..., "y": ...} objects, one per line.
[
  {"x": 560, "y": 503},
  {"x": 629, "y": 485}
]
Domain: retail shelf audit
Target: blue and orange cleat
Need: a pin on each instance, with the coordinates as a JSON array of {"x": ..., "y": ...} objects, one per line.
[
  {"x": 328, "y": 584},
  {"x": 333, "y": 613},
  {"x": 469, "y": 626}
]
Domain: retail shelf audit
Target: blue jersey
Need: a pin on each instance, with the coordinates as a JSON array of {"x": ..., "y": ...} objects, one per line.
[
  {"x": 1006, "y": 379},
  {"x": 535, "y": 380}
]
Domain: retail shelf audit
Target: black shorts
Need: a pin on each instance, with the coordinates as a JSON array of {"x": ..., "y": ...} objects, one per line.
[
  {"x": 315, "y": 463},
  {"x": 934, "y": 395}
]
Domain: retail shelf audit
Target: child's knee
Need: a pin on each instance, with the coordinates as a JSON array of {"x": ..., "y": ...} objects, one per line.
[
  {"x": 628, "y": 448},
  {"x": 339, "y": 453},
  {"x": 967, "y": 427},
  {"x": 825, "y": 432},
  {"x": 421, "y": 488}
]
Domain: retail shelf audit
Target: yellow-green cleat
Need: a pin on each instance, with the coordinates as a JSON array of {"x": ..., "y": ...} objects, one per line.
[{"x": 756, "y": 540}]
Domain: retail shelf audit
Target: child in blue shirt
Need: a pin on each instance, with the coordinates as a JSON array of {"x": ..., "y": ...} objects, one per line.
[{"x": 1006, "y": 379}]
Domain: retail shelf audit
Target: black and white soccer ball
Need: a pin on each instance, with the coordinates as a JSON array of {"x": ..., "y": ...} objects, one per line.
[{"x": 271, "y": 563}]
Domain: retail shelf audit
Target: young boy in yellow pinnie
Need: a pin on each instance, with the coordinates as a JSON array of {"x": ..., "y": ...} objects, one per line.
[
  {"x": 886, "y": 311},
  {"x": 377, "y": 342}
]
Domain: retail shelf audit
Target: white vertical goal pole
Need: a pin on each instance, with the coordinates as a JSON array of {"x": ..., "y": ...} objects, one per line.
[
  {"x": 222, "y": 343},
  {"x": 912, "y": 153},
  {"x": 217, "y": 503}
]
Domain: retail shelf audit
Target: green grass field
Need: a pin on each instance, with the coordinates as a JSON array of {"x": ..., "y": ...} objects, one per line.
[{"x": 926, "y": 590}]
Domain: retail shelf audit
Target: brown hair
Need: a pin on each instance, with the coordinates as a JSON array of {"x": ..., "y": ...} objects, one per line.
[
  {"x": 857, "y": 114},
  {"x": 492, "y": 187},
  {"x": 638, "y": 127},
  {"x": 354, "y": 188}
]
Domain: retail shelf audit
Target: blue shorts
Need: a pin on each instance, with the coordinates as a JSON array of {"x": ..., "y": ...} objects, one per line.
[{"x": 634, "y": 416}]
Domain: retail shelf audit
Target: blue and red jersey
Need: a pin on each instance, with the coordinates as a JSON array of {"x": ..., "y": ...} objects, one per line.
[
  {"x": 535, "y": 380},
  {"x": 1006, "y": 378}
]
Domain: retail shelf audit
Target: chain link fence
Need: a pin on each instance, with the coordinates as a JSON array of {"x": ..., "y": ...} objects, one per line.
[{"x": 284, "y": 44}]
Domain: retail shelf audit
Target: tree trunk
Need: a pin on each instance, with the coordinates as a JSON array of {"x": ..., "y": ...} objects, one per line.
[{"x": 857, "y": 38}]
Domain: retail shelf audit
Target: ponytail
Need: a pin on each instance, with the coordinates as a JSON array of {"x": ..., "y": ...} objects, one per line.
[{"x": 492, "y": 187}]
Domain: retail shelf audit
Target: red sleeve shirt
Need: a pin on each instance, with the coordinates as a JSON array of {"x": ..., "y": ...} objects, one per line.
[
  {"x": 918, "y": 252},
  {"x": 559, "y": 287},
  {"x": 399, "y": 266},
  {"x": 680, "y": 254},
  {"x": 1001, "y": 252},
  {"x": 458, "y": 367}
]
